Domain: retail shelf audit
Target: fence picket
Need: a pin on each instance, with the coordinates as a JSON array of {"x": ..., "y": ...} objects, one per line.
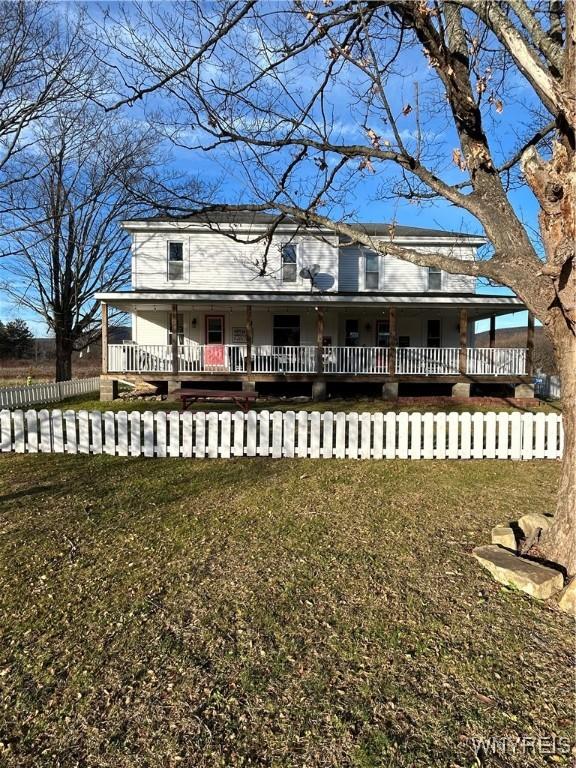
[
  {"x": 340, "y": 450},
  {"x": 403, "y": 429},
  {"x": 540, "y": 436},
  {"x": 122, "y": 427},
  {"x": 478, "y": 435},
  {"x": 378, "y": 434},
  {"x": 516, "y": 436},
  {"x": 453, "y": 435},
  {"x": 32, "y": 431},
  {"x": 160, "y": 420},
  {"x": 109, "y": 433},
  {"x": 148, "y": 429},
  {"x": 302, "y": 420},
  {"x": 289, "y": 434},
  {"x": 135, "y": 434},
  {"x": 19, "y": 437},
  {"x": 390, "y": 421},
  {"x": 490, "y": 425},
  {"x": 315, "y": 435},
  {"x": 6, "y": 431},
  {"x": 187, "y": 428},
  {"x": 415, "y": 436},
  {"x": 57, "y": 431},
  {"x": 365, "y": 436},
  {"x": 264, "y": 436},
  {"x": 225, "y": 432},
  {"x": 440, "y": 425},
  {"x": 45, "y": 432},
  {"x": 527, "y": 436},
  {"x": 83, "y": 432},
  {"x": 238, "y": 433},
  {"x": 212, "y": 435},
  {"x": 352, "y": 419},
  {"x": 200, "y": 435},
  {"x": 277, "y": 435},
  {"x": 251, "y": 432},
  {"x": 551, "y": 452},
  {"x": 327, "y": 435},
  {"x": 465, "y": 435}
]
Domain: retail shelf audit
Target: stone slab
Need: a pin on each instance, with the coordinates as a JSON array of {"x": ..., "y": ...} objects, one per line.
[
  {"x": 536, "y": 580},
  {"x": 504, "y": 536},
  {"x": 531, "y": 522},
  {"x": 567, "y": 602}
]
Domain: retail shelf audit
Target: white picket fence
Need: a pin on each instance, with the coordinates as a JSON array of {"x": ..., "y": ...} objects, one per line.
[
  {"x": 287, "y": 434},
  {"x": 38, "y": 394}
]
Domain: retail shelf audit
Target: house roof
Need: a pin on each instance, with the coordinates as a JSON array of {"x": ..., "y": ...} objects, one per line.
[{"x": 255, "y": 218}]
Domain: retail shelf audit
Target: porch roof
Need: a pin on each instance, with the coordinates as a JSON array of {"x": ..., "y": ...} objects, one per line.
[{"x": 477, "y": 305}]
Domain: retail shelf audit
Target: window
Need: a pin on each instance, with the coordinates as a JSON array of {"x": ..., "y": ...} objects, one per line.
[
  {"x": 286, "y": 331},
  {"x": 382, "y": 333},
  {"x": 289, "y": 263},
  {"x": 352, "y": 333},
  {"x": 434, "y": 279},
  {"x": 433, "y": 333},
  {"x": 404, "y": 341},
  {"x": 175, "y": 261},
  {"x": 214, "y": 329},
  {"x": 371, "y": 274},
  {"x": 179, "y": 329}
]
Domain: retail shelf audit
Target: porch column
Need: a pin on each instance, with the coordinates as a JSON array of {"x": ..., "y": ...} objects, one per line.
[
  {"x": 492, "y": 336},
  {"x": 319, "y": 340},
  {"x": 174, "y": 334},
  {"x": 104, "y": 310},
  {"x": 249, "y": 335},
  {"x": 530, "y": 345},
  {"x": 463, "y": 324},
  {"x": 393, "y": 340}
]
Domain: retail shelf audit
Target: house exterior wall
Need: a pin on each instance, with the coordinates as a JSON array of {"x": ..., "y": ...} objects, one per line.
[
  {"x": 214, "y": 261},
  {"x": 152, "y": 327}
]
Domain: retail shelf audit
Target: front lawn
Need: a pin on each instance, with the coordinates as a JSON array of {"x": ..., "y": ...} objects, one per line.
[{"x": 270, "y": 613}]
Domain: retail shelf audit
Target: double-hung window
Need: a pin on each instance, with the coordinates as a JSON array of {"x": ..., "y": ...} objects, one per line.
[
  {"x": 371, "y": 272},
  {"x": 175, "y": 261},
  {"x": 434, "y": 279},
  {"x": 289, "y": 263}
]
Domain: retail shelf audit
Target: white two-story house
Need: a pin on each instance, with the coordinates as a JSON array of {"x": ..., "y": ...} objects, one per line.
[{"x": 217, "y": 301}]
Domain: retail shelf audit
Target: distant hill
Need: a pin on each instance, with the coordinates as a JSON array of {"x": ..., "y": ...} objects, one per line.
[{"x": 544, "y": 359}]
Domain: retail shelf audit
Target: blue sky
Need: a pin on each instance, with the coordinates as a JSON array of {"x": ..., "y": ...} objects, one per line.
[{"x": 363, "y": 198}]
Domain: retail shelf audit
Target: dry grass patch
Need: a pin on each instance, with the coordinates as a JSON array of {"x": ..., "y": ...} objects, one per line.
[{"x": 262, "y": 613}]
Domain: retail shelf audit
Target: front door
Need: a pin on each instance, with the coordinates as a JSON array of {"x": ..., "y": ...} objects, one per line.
[
  {"x": 382, "y": 333},
  {"x": 214, "y": 329}
]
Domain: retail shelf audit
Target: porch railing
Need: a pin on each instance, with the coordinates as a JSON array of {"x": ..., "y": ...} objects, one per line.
[
  {"x": 355, "y": 360},
  {"x": 269, "y": 359},
  {"x": 496, "y": 361},
  {"x": 427, "y": 361}
]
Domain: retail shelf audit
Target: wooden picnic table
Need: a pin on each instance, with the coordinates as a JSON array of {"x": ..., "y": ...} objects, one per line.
[{"x": 190, "y": 396}]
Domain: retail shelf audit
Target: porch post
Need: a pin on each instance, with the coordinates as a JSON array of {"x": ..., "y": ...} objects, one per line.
[
  {"x": 530, "y": 345},
  {"x": 319, "y": 340},
  {"x": 393, "y": 340},
  {"x": 463, "y": 324},
  {"x": 492, "y": 339},
  {"x": 249, "y": 334},
  {"x": 174, "y": 334},
  {"x": 104, "y": 310}
]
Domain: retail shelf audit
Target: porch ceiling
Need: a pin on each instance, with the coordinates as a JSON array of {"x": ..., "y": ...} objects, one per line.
[{"x": 478, "y": 306}]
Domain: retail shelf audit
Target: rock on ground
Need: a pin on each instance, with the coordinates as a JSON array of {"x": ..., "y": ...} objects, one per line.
[
  {"x": 531, "y": 522},
  {"x": 568, "y": 600},
  {"x": 504, "y": 536},
  {"x": 536, "y": 580}
]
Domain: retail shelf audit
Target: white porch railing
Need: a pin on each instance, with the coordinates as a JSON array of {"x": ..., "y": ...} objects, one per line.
[
  {"x": 427, "y": 361},
  {"x": 496, "y": 361},
  {"x": 268, "y": 359},
  {"x": 356, "y": 360}
]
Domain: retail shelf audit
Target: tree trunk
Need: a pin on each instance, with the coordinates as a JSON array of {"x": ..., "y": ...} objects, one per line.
[
  {"x": 559, "y": 542},
  {"x": 64, "y": 348}
]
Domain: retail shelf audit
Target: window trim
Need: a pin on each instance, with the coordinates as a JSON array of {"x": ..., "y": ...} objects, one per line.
[
  {"x": 293, "y": 245},
  {"x": 168, "y": 262},
  {"x": 374, "y": 257},
  {"x": 434, "y": 271}
]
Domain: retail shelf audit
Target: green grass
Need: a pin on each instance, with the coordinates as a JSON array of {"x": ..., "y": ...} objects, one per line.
[
  {"x": 370, "y": 405},
  {"x": 269, "y": 613}
]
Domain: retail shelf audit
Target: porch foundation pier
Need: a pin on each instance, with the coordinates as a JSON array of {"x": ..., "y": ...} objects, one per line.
[
  {"x": 108, "y": 389},
  {"x": 463, "y": 326},
  {"x": 492, "y": 334},
  {"x": 461, "y": 389},
  {"x": 104, "y": 311},
  {"x": 248, "y": 386},
  {"x": 174, "y": 338},
  {"x": 318, "y": 391},
  {"x": 172, "y": 386},
  {"x": 390, "y": 390},
  {"x": 530, "y": 346},
  {"x": 524, "y": 390}
]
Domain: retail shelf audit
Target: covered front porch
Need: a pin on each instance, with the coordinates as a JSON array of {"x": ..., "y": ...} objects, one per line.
[{"x": 313, "y": 337}]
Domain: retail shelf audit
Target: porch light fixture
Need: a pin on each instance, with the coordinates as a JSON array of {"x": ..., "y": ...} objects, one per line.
[{"x": 194, "y": 321}]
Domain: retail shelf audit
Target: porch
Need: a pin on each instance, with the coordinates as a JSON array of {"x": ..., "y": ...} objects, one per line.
[{"x": 269, "y": 360}]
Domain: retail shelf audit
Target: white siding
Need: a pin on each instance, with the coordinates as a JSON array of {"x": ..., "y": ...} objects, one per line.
[
  {"x": 213, "y": 261},
  {"x": 398, "y": 276}
]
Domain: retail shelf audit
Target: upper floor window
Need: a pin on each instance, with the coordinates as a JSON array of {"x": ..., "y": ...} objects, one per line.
[
  {"x": 434, "y": 279},
  {"x": 176, "y": 261},
  {"x": 371, "y": 275},
  {"x": 289, "y": 263}
]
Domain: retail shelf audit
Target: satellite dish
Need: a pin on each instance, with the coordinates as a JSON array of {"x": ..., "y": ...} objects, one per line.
[{"x": 309, "y": 273}]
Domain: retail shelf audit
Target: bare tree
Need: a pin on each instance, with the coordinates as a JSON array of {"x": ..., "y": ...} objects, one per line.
[
  {"x": 66, "y": 242},
  {"x": 313, "y": 99},
  {"x": 44, "y": 65}
]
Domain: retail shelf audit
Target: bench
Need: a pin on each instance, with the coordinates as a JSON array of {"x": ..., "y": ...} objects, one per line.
[{"x": 190, "y": 396}]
